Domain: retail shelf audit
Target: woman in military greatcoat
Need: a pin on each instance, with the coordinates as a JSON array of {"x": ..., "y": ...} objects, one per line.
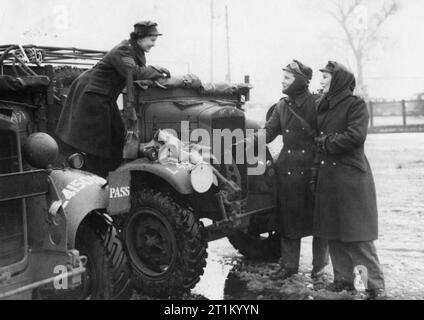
[{"x": 90, "y": 121}]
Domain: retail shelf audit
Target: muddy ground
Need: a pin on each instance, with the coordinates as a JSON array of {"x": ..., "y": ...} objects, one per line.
[{"x": 397, "y": 161}]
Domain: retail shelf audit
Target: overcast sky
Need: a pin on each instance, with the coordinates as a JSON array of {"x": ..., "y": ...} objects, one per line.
[{"x": 264, "y": 36}]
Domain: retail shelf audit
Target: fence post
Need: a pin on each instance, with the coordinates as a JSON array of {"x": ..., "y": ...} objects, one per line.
[
  {"x": 404, "y": 112},
  {"x": 371, "y": 107}
]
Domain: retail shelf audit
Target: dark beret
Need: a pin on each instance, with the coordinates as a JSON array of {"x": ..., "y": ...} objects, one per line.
[{"x": 146, "y": 28}]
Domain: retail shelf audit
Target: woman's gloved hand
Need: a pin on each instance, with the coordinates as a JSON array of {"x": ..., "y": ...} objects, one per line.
[
  {"x": 163, "y": 70},
  {"x": 320, "y": 142}
]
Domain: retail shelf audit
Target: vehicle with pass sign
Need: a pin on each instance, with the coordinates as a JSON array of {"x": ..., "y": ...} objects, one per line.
[{"x": 166, "y": 204}]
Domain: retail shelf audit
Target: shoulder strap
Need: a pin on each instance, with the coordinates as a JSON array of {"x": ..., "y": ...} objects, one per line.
[{"x": 303, "y": 122}]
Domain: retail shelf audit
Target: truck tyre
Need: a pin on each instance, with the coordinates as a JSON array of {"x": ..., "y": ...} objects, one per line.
[
  {"x": 255, "y": 246},
  {"x": 165, "y": 246},
  {"x": 107, "y": 275}
]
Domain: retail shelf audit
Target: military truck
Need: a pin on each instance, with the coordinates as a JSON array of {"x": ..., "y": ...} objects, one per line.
[
  {"x": 161, "y": 207},
  {"x": 56, "y": 239},
  {"x": 161, "y": 213}
]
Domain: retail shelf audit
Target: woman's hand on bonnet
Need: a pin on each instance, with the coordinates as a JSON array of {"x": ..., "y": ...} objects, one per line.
[{"x": 163, "y": 70}]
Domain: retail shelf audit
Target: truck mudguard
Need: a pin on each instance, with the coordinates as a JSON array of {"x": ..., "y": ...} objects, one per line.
[
  {"x": 176, "y": 174},
  {"x": 80, "y": 193}
]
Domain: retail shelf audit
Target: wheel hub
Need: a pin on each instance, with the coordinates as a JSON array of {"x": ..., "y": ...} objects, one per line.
[{"x": 152, "y": 244}]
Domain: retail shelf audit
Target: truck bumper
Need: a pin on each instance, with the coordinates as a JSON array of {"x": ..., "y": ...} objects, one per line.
[{"x": 61, "y": 269}]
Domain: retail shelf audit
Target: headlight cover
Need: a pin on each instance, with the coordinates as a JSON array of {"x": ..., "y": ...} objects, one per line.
[
  {"x": 76, "y": 160},
  {"x": 202, "y": 177}
]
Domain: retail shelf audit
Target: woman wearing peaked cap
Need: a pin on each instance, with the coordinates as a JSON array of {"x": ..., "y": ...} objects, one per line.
[
  {"x": 346, "y": 207},
  {"x": 294, "y": 117},
  {"x": 90, "y": 121}
]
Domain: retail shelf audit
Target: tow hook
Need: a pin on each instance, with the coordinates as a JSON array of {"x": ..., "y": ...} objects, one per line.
[
  {"x": 76, "y": 259},
  {"x": 77, "y": 263}
]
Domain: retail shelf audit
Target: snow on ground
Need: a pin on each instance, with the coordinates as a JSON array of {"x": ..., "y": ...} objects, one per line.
[{"x": 397, "y": 161}]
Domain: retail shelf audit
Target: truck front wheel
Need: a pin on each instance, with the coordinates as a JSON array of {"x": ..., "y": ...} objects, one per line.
[
  {"x": 165, "y": 246},
  {"x": 107, "y": 275}
]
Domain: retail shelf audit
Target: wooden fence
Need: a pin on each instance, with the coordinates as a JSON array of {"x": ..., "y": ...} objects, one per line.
[{"x": 396, "y": 116}]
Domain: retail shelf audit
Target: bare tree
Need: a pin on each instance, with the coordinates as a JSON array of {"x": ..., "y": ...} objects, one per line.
[{"x": 361, "y": 30}]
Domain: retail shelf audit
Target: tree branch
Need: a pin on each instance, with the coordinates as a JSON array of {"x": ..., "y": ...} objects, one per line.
[
  {"x": 342, "y": 17},
  {"x": 361, "y": 41},
  {"x": 380, "y": 20}
]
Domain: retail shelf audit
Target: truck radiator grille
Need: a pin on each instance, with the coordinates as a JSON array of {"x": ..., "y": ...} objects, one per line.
[
  {"x": 12, "y": 238},
  {"x": 232, "y": 124},
  {"x": 12, "y": 245}
]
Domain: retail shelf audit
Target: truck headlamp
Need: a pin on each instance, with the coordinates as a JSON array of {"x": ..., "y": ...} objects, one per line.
[
  {"x": 76, "y": 160},
  {"x": 202, "y": 177}
]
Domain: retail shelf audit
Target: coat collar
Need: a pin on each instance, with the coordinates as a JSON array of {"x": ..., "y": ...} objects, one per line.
[
  {"x": 300, "y": 100},
  {"x": 139, "y": 54},
  {"x": 334, "y": 101}
]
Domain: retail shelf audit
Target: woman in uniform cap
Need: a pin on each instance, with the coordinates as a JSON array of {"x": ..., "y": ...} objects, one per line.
[
  {"x": 346, "y": 207},
  {"x": 90, "y": 121},
  {"x": 294, "y": 117}
]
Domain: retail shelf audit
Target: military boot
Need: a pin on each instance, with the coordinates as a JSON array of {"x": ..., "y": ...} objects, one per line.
[
  {"x": 317, "y": 273},
  {"x": 319, "y": 278},
  {"x": 282, "y": 273},
  {"x": 376, "y": 294},
  {"x": 339, "y": 286}
]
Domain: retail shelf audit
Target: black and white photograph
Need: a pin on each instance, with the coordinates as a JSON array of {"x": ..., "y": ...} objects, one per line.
[{"x": 214, "y": 152}]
